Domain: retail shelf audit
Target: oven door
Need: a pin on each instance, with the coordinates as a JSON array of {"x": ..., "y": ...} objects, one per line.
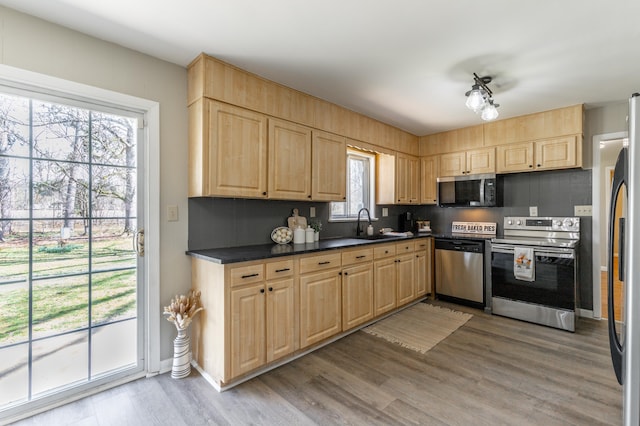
[{"x": 554, "y": 282}]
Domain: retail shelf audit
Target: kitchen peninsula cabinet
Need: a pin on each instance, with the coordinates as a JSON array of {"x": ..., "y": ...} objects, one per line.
[
  {"x": 264, "y": 312},
  {"x": 227, "y": 151}
]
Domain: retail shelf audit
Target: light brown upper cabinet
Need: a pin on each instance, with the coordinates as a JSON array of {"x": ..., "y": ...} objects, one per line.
[
  {"x": 329, "y": 167},
  {"x": 228, "y": 151},
  {"x": 542, "y": 125},
  {"x": 429, "y": 169},
  {"x": 550, "y": 154},
  {"x": 407, "y": 179},
  {"x": 289, "y": 161},
  {"x": 468, "y": 163}
]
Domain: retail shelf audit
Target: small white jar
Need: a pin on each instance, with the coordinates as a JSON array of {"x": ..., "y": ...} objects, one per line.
[
  {"x": 309, "y": 235},
  {"x": 298, "y": 236}
]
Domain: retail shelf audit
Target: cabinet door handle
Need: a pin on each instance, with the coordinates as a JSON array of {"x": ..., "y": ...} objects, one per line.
[
  {"x": 324, "y": 263},
  {"x": 283, "y": 270},
  {"x": 386, "y": 252},
  {"x": 264, "y": 193},
  {"x": 250, "y": 275},
  {"x": 361, "y": 257},
  {"x": 262, "y": 290},
  {"x": 538, "y": 165},
  {"x": 270, "y": 288},
  {"x": 346, "y": 273},
  {"x": 530, "y": 166}
]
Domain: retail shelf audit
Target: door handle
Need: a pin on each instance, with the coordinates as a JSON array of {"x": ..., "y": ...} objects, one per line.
[
  {"x": 138, "y": 242},
  {"x": 620, "y": 178}
]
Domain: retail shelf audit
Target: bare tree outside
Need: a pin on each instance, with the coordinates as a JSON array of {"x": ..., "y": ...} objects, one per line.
[{"x": 68, "y": 270}]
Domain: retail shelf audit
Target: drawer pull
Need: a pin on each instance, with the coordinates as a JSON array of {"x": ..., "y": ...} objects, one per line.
[
  {"x": 250, "y": 275},
  {"x": 283, "y": 270},
  {"x": 361, "y": 257},
  {"x": 324, "y": 263},
  {"x": 262, "y": 290}
]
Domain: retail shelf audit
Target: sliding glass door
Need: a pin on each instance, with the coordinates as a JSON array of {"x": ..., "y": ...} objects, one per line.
[{"x": 70, "y": 277}]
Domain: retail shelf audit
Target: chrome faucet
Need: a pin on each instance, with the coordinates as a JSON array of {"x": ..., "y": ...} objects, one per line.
[{"x": 358, "y": 230}]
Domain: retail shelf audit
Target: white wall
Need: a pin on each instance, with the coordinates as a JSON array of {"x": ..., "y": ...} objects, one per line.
[{"x": 36, "y": 45}]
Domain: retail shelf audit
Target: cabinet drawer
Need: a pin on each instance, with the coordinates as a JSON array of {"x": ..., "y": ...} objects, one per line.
[
  {"x": 405, "y": 247},
  {"x": 422, "y": 244},
  {"x": 246, "y": 274},
  {"x": 319, "y": 262},
  {"x": 385, "y": 250},
  {"x": 349, "y": 257},
  {"x": 280, "y": 269}
]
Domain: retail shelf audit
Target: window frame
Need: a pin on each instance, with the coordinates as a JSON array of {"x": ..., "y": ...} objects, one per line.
[{"x": 371, "y": 182}]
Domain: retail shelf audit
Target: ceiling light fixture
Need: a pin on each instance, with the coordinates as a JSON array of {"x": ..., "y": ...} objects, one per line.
[{"x": 479, "y": 98}]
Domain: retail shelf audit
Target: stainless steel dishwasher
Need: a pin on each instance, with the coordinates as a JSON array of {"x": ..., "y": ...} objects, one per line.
[{"x": 460, "y": 271}]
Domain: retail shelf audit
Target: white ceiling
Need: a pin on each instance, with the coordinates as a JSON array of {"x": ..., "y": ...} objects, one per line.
[{"x": 405, "y": 62}]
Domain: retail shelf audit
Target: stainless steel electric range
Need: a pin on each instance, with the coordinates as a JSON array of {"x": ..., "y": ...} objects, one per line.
[{"x": 534, "y": 269}]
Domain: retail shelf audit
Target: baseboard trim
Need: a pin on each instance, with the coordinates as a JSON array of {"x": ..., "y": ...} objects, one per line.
[{"x": 585, "y": 313}]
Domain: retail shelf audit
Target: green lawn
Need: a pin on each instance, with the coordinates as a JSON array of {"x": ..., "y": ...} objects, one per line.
[{"x": 62, "y": 303}]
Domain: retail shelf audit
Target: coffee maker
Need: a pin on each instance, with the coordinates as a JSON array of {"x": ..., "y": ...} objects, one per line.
[{"x": 407, "y": 222}]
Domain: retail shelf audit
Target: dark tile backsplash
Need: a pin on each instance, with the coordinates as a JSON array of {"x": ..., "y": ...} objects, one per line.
[{"x": 227, "y": 222}]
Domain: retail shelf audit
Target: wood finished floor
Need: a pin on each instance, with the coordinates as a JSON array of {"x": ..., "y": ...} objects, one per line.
[{"x": 491, "y": 371}]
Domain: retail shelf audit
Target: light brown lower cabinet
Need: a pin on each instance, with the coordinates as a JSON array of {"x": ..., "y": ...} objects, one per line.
[
  {"x": 260, "y": 312},
  {"x": 320, "y": 306},
  {"x": 384, "y": 286},
  {"x": 357, "y": 295},
  {"x": 405, "y": 265},
  {"x": 423, "y": 277}
]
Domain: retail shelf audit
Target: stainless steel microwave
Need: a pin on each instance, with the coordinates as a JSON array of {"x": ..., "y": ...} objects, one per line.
[{"x": 469, "y": 191}]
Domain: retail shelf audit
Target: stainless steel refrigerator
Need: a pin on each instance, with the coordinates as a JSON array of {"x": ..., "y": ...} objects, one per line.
[{"x": 624, "y": 337}]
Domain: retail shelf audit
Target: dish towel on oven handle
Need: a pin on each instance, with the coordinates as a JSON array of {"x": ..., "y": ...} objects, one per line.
[{"x": 524, "y": 264}]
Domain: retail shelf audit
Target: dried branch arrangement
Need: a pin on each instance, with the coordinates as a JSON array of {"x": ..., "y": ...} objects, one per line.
[{"x": 183, "y": 308}]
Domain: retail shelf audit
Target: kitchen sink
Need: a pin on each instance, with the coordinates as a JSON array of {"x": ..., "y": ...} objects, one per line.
[{"x": 376, "y": 237}]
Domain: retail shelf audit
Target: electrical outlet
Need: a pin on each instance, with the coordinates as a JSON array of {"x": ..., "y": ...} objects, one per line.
[
  {"x": 385, "y": 211},
  {"x": 312, "y": 212},
  {"x": 172, "y": 213},
  {"x": 533, "y": 211},
  {"x": 582, "y": 210}
]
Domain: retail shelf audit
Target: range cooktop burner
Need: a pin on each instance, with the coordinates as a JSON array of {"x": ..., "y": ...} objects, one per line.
[{"x": 541, "y": 231}]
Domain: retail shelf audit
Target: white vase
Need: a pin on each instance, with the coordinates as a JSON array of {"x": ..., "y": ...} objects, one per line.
[
  {"x": 181, "y": 355},
  {"x": 316, "y": 236}
]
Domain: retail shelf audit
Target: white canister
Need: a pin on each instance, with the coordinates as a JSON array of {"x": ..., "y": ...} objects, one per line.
[
  {"x": 298, "y": 236},
  {"x": 309, "y": 235},
  {"x": 370, "y": 230}
]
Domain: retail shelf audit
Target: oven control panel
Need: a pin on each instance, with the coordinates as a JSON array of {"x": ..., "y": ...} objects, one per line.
[{"x": 564, "y": 224}]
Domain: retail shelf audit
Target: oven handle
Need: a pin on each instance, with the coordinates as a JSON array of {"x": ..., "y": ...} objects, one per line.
[{"x": 560, "y": 253}]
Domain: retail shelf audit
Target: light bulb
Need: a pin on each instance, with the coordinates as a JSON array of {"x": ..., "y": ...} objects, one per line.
[
  {"x": 489, "y": 112},
  {"x": 475, "y": 99}
]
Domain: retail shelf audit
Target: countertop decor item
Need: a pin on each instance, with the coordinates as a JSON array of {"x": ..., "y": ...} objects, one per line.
[
  {"x": 282, "y": 235},
  {"x": 317, "y": 226},
  {"x": 181, "y": 312}
]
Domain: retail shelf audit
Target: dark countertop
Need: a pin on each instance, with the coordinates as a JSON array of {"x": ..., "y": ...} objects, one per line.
[{"x": 267, "y": 251}]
